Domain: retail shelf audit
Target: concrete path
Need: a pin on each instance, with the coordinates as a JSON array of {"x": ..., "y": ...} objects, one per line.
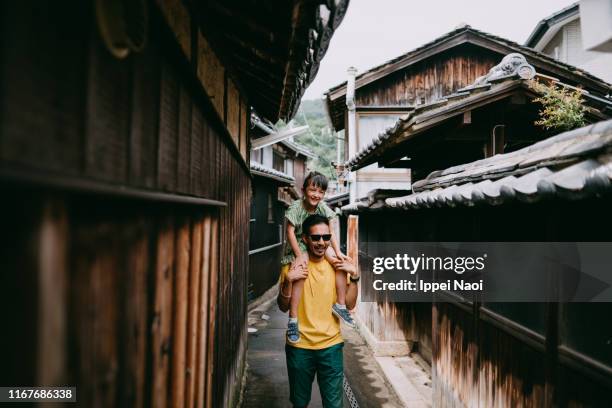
[{"x": 267, "y": 384}]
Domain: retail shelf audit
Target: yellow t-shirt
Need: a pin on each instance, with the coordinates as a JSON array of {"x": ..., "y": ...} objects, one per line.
[{"x": 319, "y": 328}]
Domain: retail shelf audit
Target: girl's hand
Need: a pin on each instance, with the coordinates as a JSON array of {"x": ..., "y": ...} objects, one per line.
[
  {"x": 303, "y": 260},
  {"x": 347, "y": 266},
  {"x": 297, "y": 271}
]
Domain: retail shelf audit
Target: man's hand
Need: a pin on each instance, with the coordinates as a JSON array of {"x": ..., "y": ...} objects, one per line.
[
  {"x": 346, "y": 265},
  {"x": 297, "y": 271}
]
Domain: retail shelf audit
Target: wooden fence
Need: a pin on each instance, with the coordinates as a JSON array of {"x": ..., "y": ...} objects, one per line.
[{"x": 503, "y": 354}]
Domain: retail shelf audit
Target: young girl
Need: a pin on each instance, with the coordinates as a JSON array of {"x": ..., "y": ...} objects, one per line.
[{"x": 313, "y": 190}]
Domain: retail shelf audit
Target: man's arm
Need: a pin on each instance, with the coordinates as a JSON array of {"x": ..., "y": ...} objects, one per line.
[
  {"x": 296, "y": 271},
  {"x": 284, "y": 295},
  {"x": 347, "y": 266}
]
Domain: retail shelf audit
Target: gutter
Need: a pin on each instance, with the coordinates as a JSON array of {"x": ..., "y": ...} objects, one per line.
[{"x": 351, "y": 127}]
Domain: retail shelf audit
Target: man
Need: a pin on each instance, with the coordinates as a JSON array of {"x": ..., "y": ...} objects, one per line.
[{"x": 319, "y": 349}]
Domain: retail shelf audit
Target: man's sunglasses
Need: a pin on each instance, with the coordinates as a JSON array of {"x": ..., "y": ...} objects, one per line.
[{"x": 317, "y": 237}]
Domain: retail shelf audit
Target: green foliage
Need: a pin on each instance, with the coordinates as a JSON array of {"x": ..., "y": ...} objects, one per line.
[
  {"x": 563, "y": 108},
  {"x": 320, "y": 140}
]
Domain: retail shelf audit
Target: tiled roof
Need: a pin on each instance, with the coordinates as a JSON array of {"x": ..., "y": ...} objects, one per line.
[
  {"x": 335, "y": 96},
  {"x": 259, "y": 169},
  {"x": 459, "y": 101},
  {"x": 572, "y": 165},
  {"x": 528, "y": 52},
  {"x": 334, "y": 199},
  {"x": 273, "y": 48}
]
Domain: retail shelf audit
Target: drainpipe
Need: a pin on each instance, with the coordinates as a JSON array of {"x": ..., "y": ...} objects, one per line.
[
  {"x": 338, "y": 156},
  {"x": 332, "y": 132},
  {"x": 351, "y": 128}
]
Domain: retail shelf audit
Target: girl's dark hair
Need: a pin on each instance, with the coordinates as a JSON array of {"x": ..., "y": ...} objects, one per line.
[{"x": 316, "y": 179}]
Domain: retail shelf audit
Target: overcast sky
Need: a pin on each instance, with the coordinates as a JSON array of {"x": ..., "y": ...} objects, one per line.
[{"x": 374, "y": 31}]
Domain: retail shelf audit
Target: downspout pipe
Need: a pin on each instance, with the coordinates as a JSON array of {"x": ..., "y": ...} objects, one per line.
[
  {"x": 351, "y": 128},
  {"x": 332, "y": 131}
]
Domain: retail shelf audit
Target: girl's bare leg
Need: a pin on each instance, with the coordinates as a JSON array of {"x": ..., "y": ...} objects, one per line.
[{"x": 296, "y": 295}]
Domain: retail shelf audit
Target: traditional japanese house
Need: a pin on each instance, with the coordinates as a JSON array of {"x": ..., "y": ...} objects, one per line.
[
  {"x": 369, "y": 103},
  {"x": 519, "y": 354},
  {"x": 126, "y": 186},
  {"x": 496, "y": 114},
  {"x": 502, "y": 180},
  {"x": 278, "y": 165}
]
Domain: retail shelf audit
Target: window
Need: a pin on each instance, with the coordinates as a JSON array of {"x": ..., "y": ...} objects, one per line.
[
  {"x": 256, "y": 156},
  {"x": 278, "y": 162},
  {"x": 289, "y": 167}
]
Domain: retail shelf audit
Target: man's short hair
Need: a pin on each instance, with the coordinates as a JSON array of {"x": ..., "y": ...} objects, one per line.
[
  {"x": 316, "y": 179},
  {"x": 311, "y": 221}
]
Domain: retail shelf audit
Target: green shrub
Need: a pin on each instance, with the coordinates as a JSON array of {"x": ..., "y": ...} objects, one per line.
[{"x": 562, "y": 108}]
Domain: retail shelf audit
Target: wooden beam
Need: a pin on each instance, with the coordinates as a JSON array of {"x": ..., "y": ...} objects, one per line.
[
  {"x": 52, "y": 295},
  {"x": 212, "y": 311},
  {"x": 203, "y": 305},
  {"x": 352, "y": 239},
  {"x": 193, "y": 312},
  {"x": 136, "y": 317},
  {"x": 181, "y": 279},
  {"x": 162, "y": 315}
]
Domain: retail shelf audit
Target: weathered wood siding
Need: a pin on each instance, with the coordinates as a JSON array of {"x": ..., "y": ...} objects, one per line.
[
  {"x": 70, "y": 109},
  {"x": 430, "y": 79},
  {"x": 505, "y": 354},
  {"x": 299, "y": 172},
  {"x": 125, "y": 212}
]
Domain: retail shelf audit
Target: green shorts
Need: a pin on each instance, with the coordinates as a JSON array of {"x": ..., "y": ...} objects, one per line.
[{"x": 302, "y": 364}]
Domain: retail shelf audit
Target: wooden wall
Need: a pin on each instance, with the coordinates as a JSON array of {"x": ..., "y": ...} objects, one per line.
[
  {"x": 126, "y": 193},
  {"x": 299, "y": 172},
  {"x": 506, "y": 354},
  {"x": 222, "y": 90},
  {"x": 131, "y": 305},
  {"x": 69, "y": 109},
  {"x": 430, "y": 79}
]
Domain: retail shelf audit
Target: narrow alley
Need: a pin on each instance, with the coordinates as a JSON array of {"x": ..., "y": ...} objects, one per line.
[
  {"x": 429, "y": 199},
  {"x": 365, "y": 384}
]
